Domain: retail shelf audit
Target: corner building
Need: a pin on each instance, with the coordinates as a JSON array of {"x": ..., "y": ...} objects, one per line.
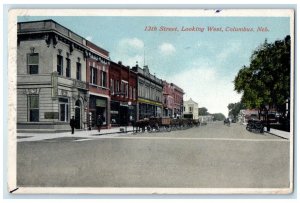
[{"x": 51, "y": 77}]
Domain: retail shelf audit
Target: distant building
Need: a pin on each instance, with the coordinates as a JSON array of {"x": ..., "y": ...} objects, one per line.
[
  {"x": 168, "y": 99},
  {"x": 123, "y": 94},
  {"x": 190, "y": 109},
  {"x": 172, "y": 100},
  {"x": 149, "y": 98},
  {"x": 178, "y": 100},
  {"x": 247, "y": 114},
  {"x": 51, "y": 77}
]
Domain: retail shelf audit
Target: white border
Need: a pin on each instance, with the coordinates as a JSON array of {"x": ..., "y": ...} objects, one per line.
[{"x": 12, "y": 44}]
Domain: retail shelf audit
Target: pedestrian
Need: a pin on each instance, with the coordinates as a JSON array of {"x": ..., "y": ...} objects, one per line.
[
  {"x": 99, "y": 122},
  {"x": 72, "y": 124}
]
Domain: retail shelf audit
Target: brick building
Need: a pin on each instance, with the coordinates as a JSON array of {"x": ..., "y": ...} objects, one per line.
[
  {"x": 172, "y": 100},
  {"x": 178, "y": 100},
  {"x": 97, "y": 76},
  {"x": 168, "y": 100},
  {"x": 122, "y": 83}
]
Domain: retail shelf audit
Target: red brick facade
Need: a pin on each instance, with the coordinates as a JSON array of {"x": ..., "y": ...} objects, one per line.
[
  {"x": 168, "y": 99},
  {"x": 123, "y": 93},
  {"x": 97, "y": 76},
  {"x": 178, "y": 100}
]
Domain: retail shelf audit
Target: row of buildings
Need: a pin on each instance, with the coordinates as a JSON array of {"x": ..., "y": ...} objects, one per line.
[{"x": 61, "y": 74}]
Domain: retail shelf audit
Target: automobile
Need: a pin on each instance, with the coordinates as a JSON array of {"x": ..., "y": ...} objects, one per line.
[{"x": 272, "y": 118}]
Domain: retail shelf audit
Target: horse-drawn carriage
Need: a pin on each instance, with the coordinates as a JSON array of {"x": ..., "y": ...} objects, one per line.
[
  {"x": 153, "y": 124},
  {"x": 164, "y": 124}
]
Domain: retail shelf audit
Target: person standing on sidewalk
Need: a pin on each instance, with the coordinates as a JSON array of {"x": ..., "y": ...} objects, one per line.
[
  {"x": 99, "y": 122},
  {"x": 72, "y": 124}
]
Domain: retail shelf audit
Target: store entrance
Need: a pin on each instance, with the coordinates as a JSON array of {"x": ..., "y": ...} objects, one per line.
[{"x": 77, "y": 114}]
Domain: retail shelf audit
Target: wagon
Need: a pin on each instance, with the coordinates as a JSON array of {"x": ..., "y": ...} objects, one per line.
[
  {"x": 159, "y": 124},
  {"x": 140, "y": 125},
  {"x": 164, "y": 124}
]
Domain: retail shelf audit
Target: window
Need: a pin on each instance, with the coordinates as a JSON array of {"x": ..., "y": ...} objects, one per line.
[
  {"x": 59, "y": 65},
  {"x": 140, "y": 90},
  {"x": 33, "y": 108},
  {"x": 78, "y": 71},
  {"x": 130, "y": 92},
  {"x": 191, "y": 109},
  {"x": 112, "y": 86},
  {"x": 68, "y": 68},
  {"x": 93, "y": 75},
  {"x": 104, "y": 79},
  {"x": 126, "y": 90},
  {"x": 33, "y": 63},
  {"x": 63, "y": 109},
  {"x": 117, "y": 86},
  {"x": 133, "y": 93},
  {"x": 122, "y": 87}
]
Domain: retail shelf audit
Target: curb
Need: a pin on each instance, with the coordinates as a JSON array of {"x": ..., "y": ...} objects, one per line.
[
  {"x": 112, "y": 133},
  {"x": 276, "y": 135}
]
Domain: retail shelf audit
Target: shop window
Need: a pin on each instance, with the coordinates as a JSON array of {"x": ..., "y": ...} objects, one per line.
[
  {"x": 33, "y": 108},
  {"x": 63, "y": 109}
]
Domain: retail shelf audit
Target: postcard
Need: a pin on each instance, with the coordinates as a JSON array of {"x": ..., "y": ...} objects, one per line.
[{"x": 151, "y": 101}]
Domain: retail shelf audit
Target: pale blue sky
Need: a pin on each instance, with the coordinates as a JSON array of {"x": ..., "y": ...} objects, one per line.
[{"x": 202, "y": 63}]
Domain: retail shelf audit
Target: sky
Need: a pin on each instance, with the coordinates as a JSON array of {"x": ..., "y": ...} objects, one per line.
[{"x": 204, "y": 64}]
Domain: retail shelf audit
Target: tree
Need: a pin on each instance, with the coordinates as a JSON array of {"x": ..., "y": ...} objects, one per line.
[
  {"x": 218, "y": 116},
  {"x": 234, "y": 109},
  {"x": 265, "y": 83},
  {"x": 203, "y": 111}
]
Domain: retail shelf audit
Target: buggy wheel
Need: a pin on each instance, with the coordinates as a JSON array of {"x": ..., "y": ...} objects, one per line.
[{"x": 262, "y": 130}]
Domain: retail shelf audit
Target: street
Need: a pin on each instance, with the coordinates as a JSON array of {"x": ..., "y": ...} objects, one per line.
[{"x": 211, "y": 156}]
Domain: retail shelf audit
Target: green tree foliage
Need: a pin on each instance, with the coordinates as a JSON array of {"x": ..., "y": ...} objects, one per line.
[
  {"x": 203, "y": 111},
  {"x": 218, "y": 116},
  {"x": 266, "y": 81},
  {"x": 234, "y": 109}
]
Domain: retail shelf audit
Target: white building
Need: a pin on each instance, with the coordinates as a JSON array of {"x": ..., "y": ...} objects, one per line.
[
  {"x": 51, "y": 77},
  {"x": 190, "y": 109},
  {"x": 246, "y": 114}
]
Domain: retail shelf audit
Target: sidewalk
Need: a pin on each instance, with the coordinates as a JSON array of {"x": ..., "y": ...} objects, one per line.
[
  {"x": 84, "y": 134},
  {"x": 279, "y": 133}
]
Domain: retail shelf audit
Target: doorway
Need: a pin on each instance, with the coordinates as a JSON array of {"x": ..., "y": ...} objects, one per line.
[{"x": 77, "y": 114}]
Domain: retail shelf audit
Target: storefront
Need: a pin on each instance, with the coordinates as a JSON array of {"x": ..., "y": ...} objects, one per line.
[
  {"x": 98, "y": 106},
  {"x": 121, "y": 112},
  {"x": 148, "y": 108}
]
